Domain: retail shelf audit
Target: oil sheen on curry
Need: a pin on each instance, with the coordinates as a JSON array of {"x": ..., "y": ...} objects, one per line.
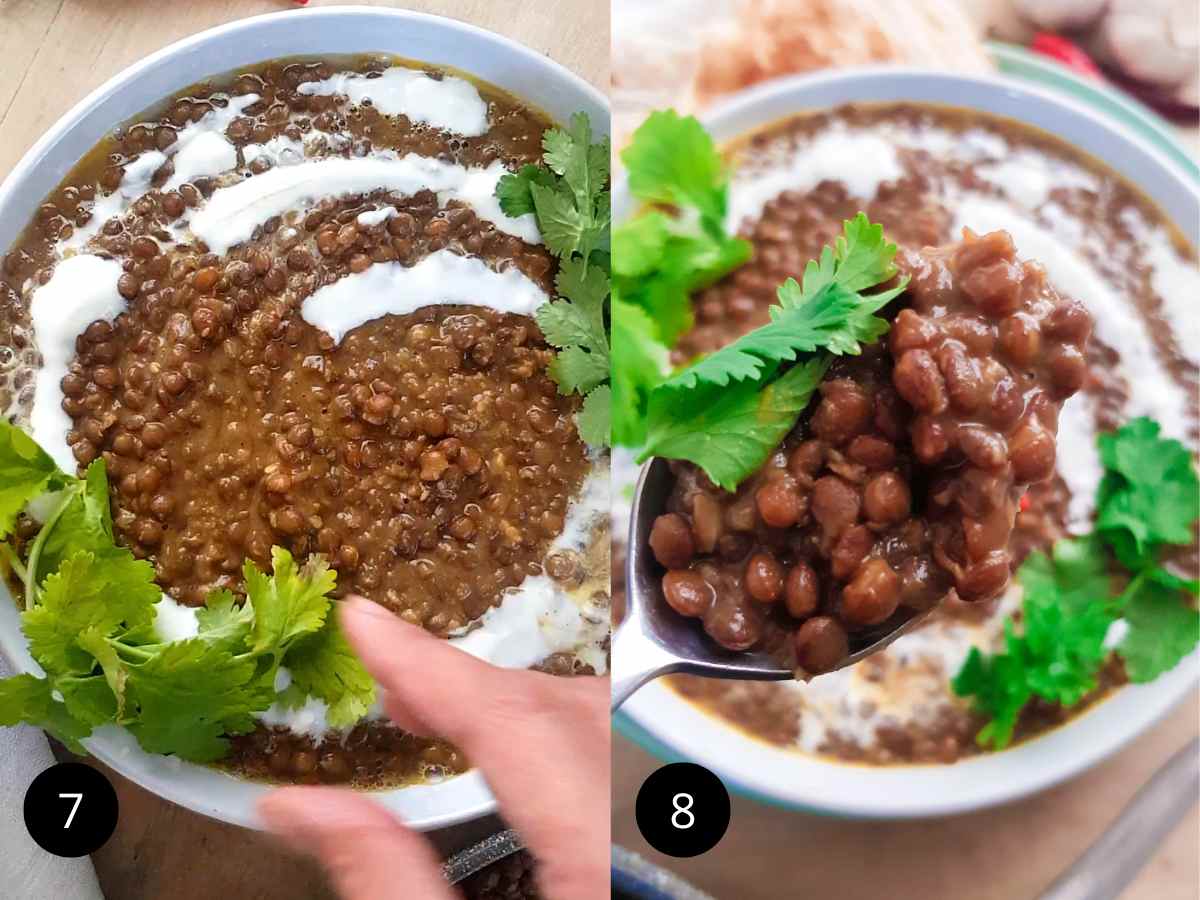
[{"x": 286, "y": 309}]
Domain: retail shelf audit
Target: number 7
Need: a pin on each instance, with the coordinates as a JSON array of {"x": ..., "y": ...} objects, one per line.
[{"x": 74, "y": 809}]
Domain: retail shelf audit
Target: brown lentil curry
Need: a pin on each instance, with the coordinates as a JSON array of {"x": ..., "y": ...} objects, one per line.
[
  {"x": 781, "y": 581},
  {"x": 428, "y": 456}
]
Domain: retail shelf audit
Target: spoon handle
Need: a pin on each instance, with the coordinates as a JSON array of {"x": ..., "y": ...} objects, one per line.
[
  {"x": 1118, "y": 855},
  {"x": 635, "y": 660}
]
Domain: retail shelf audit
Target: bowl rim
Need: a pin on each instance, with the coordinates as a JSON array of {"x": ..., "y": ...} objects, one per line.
[
  {"x": 672, "y": 728},
  {"x": 202, "y": 789}
]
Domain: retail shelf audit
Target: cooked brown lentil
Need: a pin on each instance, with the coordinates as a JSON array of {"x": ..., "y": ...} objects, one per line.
[{"x": 902, "y": 482}]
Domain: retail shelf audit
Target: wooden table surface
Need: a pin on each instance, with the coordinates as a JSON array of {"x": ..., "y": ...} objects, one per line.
[{"x": 54, "y": 52}]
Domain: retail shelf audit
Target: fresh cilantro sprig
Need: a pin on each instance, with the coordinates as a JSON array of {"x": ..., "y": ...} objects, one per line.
[
  {"x": 826, "y": 312},
  {"x": 1146, "y": 501},
  {"x": 730, "y": 432},
  {"x": 674, "y": 247},
  {"x": 90, "y": 611},
  {"x": 1148, "y": 496},
  {"x": 729, "y": 410},
  {"x": 569, "y": 197}
]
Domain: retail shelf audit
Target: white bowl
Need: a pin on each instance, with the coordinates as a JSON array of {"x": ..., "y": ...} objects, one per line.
[
  {"x": 502, "y": 62},
  {"x": 672, "y": 728}
]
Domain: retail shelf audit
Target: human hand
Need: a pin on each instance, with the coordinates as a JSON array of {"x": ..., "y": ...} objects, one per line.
[{"x": 542, "y": 742}]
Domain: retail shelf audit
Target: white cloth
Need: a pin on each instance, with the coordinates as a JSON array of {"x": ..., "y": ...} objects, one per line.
[{"x": 27, "y": 872}]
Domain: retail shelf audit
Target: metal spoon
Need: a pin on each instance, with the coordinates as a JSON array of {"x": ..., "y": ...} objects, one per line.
[
  {"x": 1114, "y": 860},
  {"x": 654, "y": 640}
]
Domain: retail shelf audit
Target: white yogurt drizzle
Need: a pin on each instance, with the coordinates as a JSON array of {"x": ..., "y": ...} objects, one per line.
[
  {"x": 853, "y": 702},
  {"x": 449, "y": 103},
  {"x": 373, "y": 217},
  {"x": 81, "y": 290},
  {"x": 1173, "y": 278},
  {"x": 232, "y": 213},
  {"x": 392, "y": 289},
  {"x": 200, "y": 149},
  {"x": 173, "y": 621},
  {"x": 538, "y": 618},
  {"x": 825, "y": 159},
  {"x": 1152, "y": 390}
]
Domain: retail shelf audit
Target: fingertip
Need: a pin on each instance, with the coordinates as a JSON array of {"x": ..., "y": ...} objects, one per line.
[
  {"x": 362, "y": 845},
  {"x": 293, "y": 805},
  {"x": 357, "y": 609}
]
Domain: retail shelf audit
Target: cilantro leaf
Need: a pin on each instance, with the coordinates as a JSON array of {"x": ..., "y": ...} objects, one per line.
[
  {"x": 575, "y": 369},
  {"x": 95, "y": 641},
  {"x": 579, "y": 320},
  {"x": 828, "y": 312},
  {"x": 84, "y": 523},
  {"x": 91, "y": 626},
  {"x": 727, "y": 412},
  {"x": 576, "y": 326},
  {"x": 1075, "y": 576},
  {"x": 25, "y": 472},
  {"x": 89, "y": 699},
  {"x": 584, "y": 166},
  {"x": 565, "y": 228},
  {"x": 689, "y": 261},
  {"x": 224, "y": 621},
  {"x": 640, "y": 244},
  {"x": 1163, "y": 626},
  {"x": 289, "y": 603},
  {"x": 836, "y": 320},
  {"x": 640, "y": 362},
  {"x": 730, "y": 431},
  {"x": 672, "y": 161},
  {"x": 1067, "y": 612},
  {"x": 1000, "y": 690},
  {"x": 595, "y": 418},
  {"x": 25, "y": 698},
  {"x": 104, "y": 592},
  {"x": 1067, "y": 615},
  {"x": 571, "y": 202},
  {"x": 192, "y": 693},
  {"x": 859, "y": 259},
  {"x": 1146, "y": 499},
  {"x": 323, "y": 665},
  {"x": 513, "y": 190},
  {"x": 569, "y": 196},
  {"x": 1150, "y": 494}
]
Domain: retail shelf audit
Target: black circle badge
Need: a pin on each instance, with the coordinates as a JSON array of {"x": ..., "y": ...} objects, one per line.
[
  {"x": 682, "y": 810},
  {"x": 70, "y": 809}
]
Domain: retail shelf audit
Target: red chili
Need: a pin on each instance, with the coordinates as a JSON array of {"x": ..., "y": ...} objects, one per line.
[
  {"x": 1067, "y": 52},
  {"x": 1024, "y": 504}
]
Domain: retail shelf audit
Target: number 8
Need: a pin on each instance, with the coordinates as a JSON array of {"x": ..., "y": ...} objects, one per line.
[{"x": 682, "y": 810}]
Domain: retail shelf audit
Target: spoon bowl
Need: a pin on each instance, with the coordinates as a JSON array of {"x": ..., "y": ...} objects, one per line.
[{"x": 654, "y": 640}]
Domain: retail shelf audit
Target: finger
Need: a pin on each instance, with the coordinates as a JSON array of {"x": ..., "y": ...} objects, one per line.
[
  {"x": 542, "y": 742},
  {"x": 399, "y": 715},
  {"x": 367, "y": 853},
  {"x": 425, "y": 679}
]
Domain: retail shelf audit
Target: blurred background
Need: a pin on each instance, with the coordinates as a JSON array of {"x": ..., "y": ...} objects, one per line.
[{"x": 690, "y": 54}]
